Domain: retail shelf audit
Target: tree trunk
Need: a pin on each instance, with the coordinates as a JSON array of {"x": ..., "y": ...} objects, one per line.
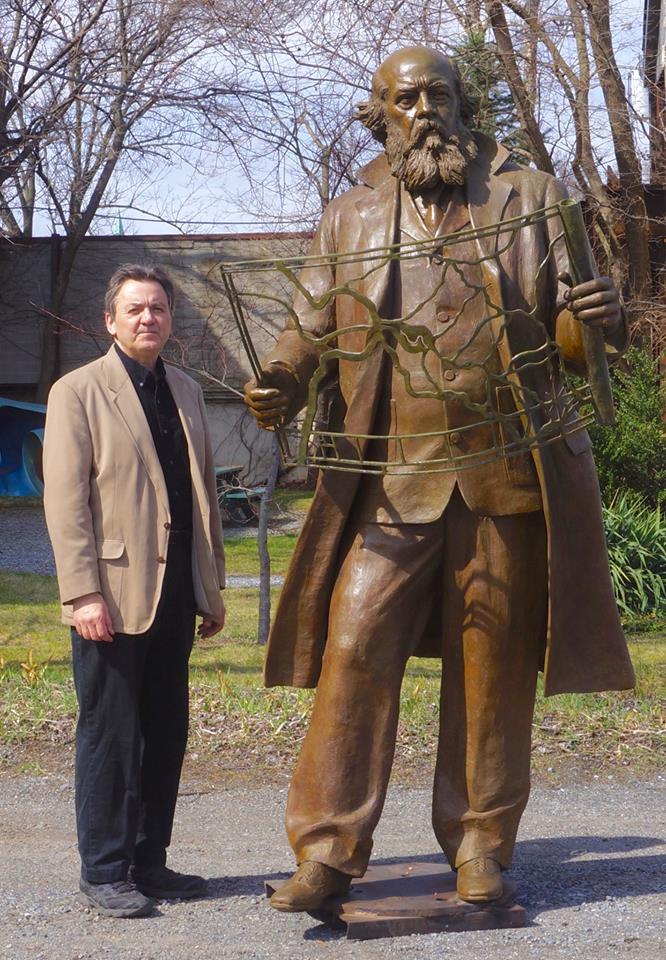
[
  {"x": 632, "y": 199},
  {"x": 524, "y": 108},
  {"x": 49, "y": 366}
]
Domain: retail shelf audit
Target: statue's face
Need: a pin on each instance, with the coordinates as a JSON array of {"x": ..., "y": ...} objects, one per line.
[
  {"x": 426, "y": 142},
  {"x": 421, "y": 95}
]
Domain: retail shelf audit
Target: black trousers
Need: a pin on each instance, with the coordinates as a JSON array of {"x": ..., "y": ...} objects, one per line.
[{"x": 132, "y": 731}]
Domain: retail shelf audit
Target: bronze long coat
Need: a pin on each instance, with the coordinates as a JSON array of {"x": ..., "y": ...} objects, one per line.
[{"x": 585, "y": 649}]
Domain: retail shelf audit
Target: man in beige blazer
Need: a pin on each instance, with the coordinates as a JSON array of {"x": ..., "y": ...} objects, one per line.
[{"x": 131, "y": 509}]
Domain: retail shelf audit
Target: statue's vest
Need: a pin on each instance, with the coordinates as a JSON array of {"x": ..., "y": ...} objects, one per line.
[{"x": 467, "y": 367}]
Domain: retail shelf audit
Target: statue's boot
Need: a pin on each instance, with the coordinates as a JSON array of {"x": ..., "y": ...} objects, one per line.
[
  {"x": 308, "y": 888},
  {"x": 479, "y": 880}
]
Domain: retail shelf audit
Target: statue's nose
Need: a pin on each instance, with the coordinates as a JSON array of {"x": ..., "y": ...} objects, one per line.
[{"x": 424, "y": 106}]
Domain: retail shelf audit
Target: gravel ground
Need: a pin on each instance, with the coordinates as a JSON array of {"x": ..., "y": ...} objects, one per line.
[
  {"x": 590, "y": 864},
  {"x": 25, "y": 546},
  {"x": 24, "y": 542},
  {"x": 589, "y": 867}
]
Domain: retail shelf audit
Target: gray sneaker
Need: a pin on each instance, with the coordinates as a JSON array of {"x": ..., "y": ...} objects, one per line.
[
  {"x": 118, "y": 899},
  {"x": 165, "y": 884}
]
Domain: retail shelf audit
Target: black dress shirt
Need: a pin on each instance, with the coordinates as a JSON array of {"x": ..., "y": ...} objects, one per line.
[{"x": 168, "y": 436}]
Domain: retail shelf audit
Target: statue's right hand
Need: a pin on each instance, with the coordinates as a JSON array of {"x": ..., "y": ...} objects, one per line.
[{"x": 270, "y": 402}]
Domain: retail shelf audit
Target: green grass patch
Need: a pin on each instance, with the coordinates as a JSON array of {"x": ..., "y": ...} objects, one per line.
[
  {"x": 292, "y": 500},
  {"x": 243, "y": 558},
  {"x": 30, "y": 621},
  {"x": 20, "y": 502},
  {"x": 239, "y": 723}
]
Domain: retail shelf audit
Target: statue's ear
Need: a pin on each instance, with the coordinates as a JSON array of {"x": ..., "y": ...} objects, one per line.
[{"x": 371, "y": 115}]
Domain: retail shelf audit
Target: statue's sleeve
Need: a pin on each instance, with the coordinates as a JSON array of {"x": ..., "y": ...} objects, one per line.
[
  {"x": 566, "y": 327},
  {"x": 312, "y": 314}
]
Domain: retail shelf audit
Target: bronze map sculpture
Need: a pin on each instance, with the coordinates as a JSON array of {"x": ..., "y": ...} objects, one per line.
[{"x": 459, "y": 516}]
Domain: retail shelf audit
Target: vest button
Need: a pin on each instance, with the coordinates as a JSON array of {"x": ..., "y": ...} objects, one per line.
[
  {"x": 450, "y": 374},
  {"x": 161, "y": 560},
  {"x": 454, "y": 437},
  {"x": 167, "y": 526}
]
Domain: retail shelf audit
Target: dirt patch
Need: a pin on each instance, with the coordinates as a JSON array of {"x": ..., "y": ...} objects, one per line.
[{"x": 238, "y": 768}]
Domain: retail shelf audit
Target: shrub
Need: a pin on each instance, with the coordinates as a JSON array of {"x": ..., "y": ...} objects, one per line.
[
  {"x": 632, "y": 456},
  {"x": 636, "y": 536}
]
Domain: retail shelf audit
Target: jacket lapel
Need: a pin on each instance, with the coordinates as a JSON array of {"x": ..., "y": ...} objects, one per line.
[
  {"x": 487, "y": 194},
  {"x": 487, "y": 197},
  {"x": 380, "y": 214},
  {"x": 130, "y": 409}
]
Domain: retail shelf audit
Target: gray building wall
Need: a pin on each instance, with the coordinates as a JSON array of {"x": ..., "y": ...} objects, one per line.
[{"x": 205, "y": 341}]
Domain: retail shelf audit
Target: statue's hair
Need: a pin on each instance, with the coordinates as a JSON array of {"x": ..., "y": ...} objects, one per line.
[
  {"x": 142, "y": 273},
  {"x": 372, "y": 112}
]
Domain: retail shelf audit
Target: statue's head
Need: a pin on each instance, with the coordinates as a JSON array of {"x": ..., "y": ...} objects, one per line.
[{"x": 418, "y": 110}]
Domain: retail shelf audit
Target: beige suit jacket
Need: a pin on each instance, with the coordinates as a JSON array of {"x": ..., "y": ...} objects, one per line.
[{"x": 105, "y": 498}]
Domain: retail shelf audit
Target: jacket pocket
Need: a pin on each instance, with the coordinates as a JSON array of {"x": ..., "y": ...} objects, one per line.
[
  {"x": 110, "y": 549},
  {"x": 518, "y": 463}
]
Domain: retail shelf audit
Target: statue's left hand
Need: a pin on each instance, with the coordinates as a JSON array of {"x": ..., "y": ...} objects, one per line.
[{"x": 596, "y": 303}]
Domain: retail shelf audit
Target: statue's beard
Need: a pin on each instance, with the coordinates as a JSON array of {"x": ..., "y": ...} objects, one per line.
[{"x": 427, "y": 157}]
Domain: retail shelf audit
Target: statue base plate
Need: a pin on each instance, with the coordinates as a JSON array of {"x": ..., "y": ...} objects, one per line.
[{"x": 399, "y": 899}]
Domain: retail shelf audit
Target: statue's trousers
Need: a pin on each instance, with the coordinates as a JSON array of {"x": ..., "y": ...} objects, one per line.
[{"x": 489, "y": 574}]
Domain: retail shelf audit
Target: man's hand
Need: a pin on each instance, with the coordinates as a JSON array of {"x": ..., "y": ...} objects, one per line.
[
  {"x": 209, "y": 627},
  {"x": 91, "y": 619},
  {"x": 270, "y": 402},
  {"x": 596, "y": 303}
]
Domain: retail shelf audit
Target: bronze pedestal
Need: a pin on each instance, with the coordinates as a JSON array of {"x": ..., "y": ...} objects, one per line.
[{"x": 399, "y": 899}]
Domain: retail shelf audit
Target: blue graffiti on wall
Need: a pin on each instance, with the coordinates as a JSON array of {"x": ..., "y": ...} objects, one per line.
[{"x": 21, "y": 441}]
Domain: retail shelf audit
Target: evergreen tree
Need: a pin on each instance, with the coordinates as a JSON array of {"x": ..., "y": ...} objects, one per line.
[{"x": 483, "y": 81}]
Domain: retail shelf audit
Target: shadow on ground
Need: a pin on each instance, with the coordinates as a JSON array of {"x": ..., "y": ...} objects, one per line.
[{"x": 577, "y": 875}]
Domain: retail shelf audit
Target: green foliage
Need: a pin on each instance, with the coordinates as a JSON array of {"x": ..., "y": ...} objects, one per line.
[
  {"x": 636, "y": 535},
  {"x": 632, "y": 456},
  {"x": 483, "y": 80}
]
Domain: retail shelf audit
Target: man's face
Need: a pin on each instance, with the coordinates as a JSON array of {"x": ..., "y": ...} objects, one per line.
[
  {"x": 141, "y": 323},
  {"x": 421, "y": 99}
]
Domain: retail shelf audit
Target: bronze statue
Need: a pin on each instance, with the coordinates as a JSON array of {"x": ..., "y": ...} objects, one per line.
[{"x": 500, "y": 569}]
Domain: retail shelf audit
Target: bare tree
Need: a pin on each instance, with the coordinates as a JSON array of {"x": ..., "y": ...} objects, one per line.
[
  {"x": 99, "y": 87},
  {"x": 560, "y": 62},
  {"x": 299, "y": 77},
  {"x": 298, "y": 146},
  {"x": 34, "y": 97}
]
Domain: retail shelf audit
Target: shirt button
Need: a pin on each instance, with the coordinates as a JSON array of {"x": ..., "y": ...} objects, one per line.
[
  {"x": 161, "y": 560},
  {"x": 450, "y": 374},
  {"x": 454, "y": 437}
]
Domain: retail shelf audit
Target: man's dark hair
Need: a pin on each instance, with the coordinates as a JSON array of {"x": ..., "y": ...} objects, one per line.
[
  {"x": 142, "y": 273},
  {"x": 372, "y": 112}
]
